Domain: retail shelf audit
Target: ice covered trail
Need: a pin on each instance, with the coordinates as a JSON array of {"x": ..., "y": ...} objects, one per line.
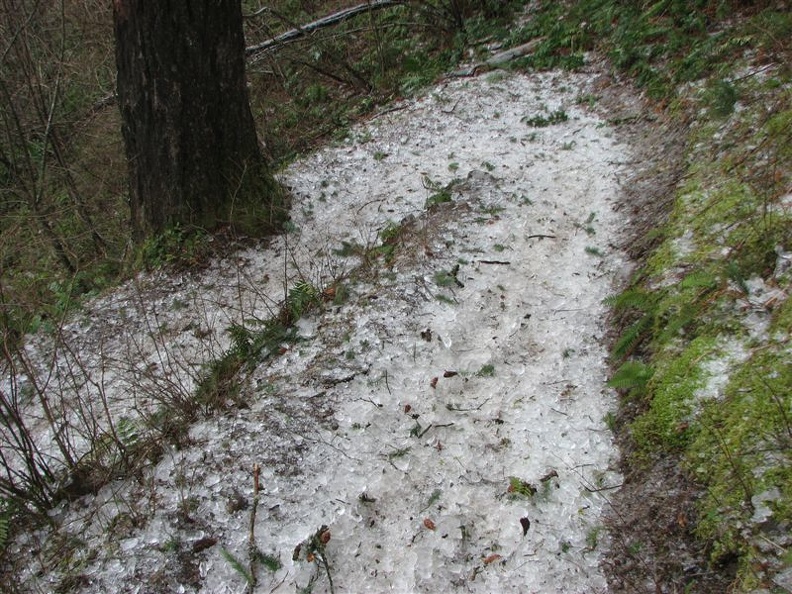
[{"x": 446, "y": 421}]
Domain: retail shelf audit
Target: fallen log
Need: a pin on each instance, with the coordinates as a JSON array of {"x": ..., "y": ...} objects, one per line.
[
  {"x": 499, "y": 59},
  {"x": 326, "y": 21}
]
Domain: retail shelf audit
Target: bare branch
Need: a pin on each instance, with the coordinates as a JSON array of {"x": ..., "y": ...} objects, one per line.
[{"x": 327, "y": 21}]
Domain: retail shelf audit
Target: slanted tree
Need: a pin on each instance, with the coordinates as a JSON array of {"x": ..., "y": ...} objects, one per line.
[{"x": 190, "y": 139}]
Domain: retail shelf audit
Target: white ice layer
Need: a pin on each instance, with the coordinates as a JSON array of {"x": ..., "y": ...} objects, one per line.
[{"x": 474, "y": 361}]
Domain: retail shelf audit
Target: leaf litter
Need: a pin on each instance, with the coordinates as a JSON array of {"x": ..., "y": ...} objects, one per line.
[{"x": 468, "y": 359}]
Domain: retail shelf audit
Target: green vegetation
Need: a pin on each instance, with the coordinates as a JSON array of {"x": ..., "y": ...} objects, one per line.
[
  {"x": 439, "y": 194},
  {"x": 521, "y": 488},
  {"x": 661, "y": 45},
  {"x": 237, "y": 565},
  {"x": 487, "y": 370},
  {"x": 542, "y": 121},
  {"x": 694, "y": 307}
]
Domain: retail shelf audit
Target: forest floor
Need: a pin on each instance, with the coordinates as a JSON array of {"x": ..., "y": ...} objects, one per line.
[{"x": 441, "y": 421}]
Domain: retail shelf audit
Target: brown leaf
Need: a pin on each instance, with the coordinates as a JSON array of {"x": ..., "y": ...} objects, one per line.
[
  {"x": 525, "y": 523},
  {"x": 682, "y": 520},
  {"x": 203, "y": 543},
  {"x": 429, "y": 524},
  {"x": 491, "y": 558},
  {"x": 433, "y": 383}
]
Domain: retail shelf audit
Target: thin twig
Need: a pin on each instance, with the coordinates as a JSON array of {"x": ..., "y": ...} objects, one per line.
[
  {"x": 332, "y": 19},
  {"x": 252, "y": 548}
]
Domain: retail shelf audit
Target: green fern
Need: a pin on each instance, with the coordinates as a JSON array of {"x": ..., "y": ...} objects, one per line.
[
  {"x": 637, "y": 299},
  {"x": 699, "y": 279},
  {"x": 302, "y": 297},
  {"x": 633, "y": 336},
  {"x": 128, "y": 431},
  {"x": 672, "y": 323},
  {"x": 5, "y": 521},
  {"x": 270, "y": 562},
  {"x": 236, "y": 564},
  {"x": 632, "y": 376},
  {"x": 735, "y": 274}
]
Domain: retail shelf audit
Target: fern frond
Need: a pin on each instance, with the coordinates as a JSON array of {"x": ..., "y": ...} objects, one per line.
[
  {"x": 128, "y": 431},
  {"x": 241, "y": 340},
  {"x": 699, "y": 279},
  {"x": 682, "y": 318},
  {"x": 631, "y": 299},
  {"x": 301, "y": 298},
  {"x": 236, "y": 564},
  {"x": 631, "y": 337},
  {"x": 4, "y": 522},
  {"x": 631, "y": 375}
]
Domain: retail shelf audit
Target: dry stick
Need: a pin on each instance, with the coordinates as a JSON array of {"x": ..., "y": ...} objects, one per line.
[
  {"x": 499, "y": 59},
  {"x": 321, "y": 554},
  {"x": 252, "y": 549},
  {"x": 332, "y": 19},
  {"x": 738, "y": 473},
  {"x": 780, "y": 405}
]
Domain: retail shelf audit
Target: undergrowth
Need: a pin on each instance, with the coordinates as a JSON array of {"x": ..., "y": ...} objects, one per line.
[{"x": 703, "y": 354}]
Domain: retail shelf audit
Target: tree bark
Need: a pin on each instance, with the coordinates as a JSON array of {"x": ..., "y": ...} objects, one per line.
[{"x": 190, "y": 138}]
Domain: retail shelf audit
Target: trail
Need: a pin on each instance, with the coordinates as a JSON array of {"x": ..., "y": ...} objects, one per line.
[{"x": 446, "y": 421}]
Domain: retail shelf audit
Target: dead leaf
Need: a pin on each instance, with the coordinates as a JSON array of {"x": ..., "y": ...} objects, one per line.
[
  {"x": 429, "y": 524},
  {"x": 491, "y": 558},
  {"x": 525, "y": 523},
  {"x": 329, "y": 294}
]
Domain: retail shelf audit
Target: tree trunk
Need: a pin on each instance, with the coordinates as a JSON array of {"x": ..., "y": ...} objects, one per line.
[{"x": 194, "y": 158}]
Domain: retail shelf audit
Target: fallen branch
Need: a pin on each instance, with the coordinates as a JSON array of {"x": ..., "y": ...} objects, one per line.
[
  {"x": 497, "y": 262},
  {"x": 499, "y": 59},
  {"x": 327, "y": 21}
]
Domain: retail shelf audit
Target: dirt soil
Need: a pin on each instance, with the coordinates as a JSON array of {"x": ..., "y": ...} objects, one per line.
[{"x": 652, "y": 517}]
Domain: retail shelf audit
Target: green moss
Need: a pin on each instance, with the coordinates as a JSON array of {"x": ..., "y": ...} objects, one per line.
[
  {"x": 744, "y": 449},
  {"x": 677, "y": 377},
  {"x": 723, "y": 230}
]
